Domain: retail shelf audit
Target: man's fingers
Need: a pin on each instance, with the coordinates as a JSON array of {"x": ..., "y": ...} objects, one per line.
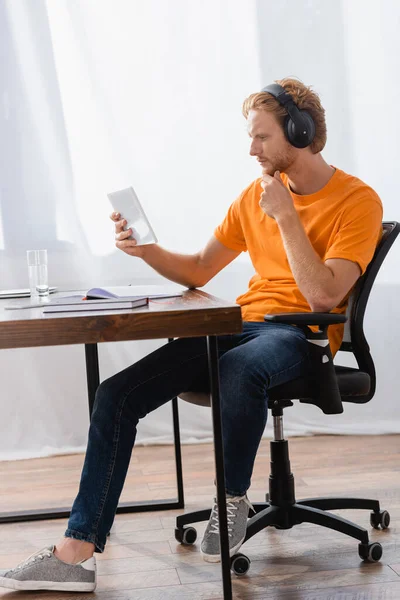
[
  {"x": 122, "y": 241},
  {"x": 267, "y": 180},
  {"x": 123, "y": 235},
  {"x": 119, "y": 225},
  {"x": 126, "y": 244},
  {"x": 265, "y": 173}
]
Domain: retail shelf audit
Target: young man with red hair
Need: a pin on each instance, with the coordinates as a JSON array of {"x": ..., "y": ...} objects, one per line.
[{"x": 310, "y": 230}]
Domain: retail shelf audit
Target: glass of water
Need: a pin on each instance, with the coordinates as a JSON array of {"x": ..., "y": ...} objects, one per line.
[{"x": 38, "y": 277}]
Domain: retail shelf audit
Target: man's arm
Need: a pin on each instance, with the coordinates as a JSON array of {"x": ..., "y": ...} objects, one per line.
[
  {"x": 324, "y": 285},
  {"x": 190, "y": 270}
]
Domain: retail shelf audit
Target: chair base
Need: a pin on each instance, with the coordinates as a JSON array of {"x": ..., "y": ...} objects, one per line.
[
  {"x": 282, "y": 511},
  {"x": 304, "y": 511},
  {"x": 285, "y": 517}
]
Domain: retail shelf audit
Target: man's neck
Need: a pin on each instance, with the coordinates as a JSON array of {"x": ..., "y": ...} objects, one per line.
[{"x": 310, "y": 176}]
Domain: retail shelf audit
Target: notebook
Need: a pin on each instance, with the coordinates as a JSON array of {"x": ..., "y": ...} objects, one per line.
[
  {"x": 132, "y": 291},
  {"x": 81, "y": 303}
]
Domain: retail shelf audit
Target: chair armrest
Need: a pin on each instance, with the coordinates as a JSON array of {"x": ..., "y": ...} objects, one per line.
[{"x": 312, "y": 318}]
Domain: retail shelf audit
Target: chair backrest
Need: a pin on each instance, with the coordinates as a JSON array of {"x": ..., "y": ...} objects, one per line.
[{"x": 354, "y": 338}]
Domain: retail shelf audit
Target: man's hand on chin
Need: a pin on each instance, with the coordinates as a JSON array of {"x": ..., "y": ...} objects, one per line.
[{"x": 275, "y": 199}]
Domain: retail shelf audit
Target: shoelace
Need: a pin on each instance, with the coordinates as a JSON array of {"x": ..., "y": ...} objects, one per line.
[
  {"x": 231, "y": 508},
  {"x": 38, "y": 555}
]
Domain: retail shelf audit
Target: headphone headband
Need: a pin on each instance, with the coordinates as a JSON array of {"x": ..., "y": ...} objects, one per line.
[{"x": 279, "y": 93}]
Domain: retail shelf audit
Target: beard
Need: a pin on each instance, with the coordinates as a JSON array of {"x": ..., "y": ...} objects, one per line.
[{"x": 282, "y": 161}]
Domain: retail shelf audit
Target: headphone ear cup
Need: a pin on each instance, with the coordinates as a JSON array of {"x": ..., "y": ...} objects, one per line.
[{"x": 295, "y": 135}]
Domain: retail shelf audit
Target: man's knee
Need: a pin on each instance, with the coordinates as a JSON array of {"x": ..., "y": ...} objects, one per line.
[
  {"x": 241, "y": 363},
  {"x": 106, "y": 399}
]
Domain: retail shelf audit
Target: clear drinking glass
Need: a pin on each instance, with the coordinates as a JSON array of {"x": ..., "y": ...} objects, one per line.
[{"x": 38, "y": 277}]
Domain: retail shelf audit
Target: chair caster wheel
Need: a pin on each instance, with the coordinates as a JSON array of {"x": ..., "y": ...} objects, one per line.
[
  {"x": 371, "y": 552},
  {"x": 240, "y": 564},
  {"x": 186, "y": 535},
  {"x": 380, "y": 519}
]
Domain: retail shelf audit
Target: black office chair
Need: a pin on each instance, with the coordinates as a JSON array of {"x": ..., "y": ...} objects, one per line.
[{"x": 327, "y": 386}]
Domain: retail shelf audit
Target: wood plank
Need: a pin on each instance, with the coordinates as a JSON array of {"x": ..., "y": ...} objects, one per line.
[{"x": 143, "y": 561}]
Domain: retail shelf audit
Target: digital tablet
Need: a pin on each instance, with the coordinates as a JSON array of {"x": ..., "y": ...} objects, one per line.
[{"x": 127, "y": 204}]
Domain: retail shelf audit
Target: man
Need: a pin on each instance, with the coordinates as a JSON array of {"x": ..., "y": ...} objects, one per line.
[{"x": 310, "y": 230}]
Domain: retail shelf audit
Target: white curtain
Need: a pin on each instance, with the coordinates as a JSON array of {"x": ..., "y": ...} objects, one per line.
[{"x": 99, "y": 96}]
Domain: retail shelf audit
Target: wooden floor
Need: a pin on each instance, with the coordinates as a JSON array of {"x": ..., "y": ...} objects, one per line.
[{"x": 143, "y": 561}]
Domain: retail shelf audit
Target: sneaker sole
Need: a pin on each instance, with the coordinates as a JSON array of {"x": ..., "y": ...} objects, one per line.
[
  {"x": 67, "y": 586},
  {"x": 214, "y": 558}
]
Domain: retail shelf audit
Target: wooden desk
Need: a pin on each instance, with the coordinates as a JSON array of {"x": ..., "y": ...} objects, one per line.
[{"x": 194, "y": 314}]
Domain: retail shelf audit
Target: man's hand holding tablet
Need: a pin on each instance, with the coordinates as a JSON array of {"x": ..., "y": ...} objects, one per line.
[{"x": 132, "y": 227}]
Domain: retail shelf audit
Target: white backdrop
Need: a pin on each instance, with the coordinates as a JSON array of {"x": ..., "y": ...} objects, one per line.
[{"x": 99, "y": 96}]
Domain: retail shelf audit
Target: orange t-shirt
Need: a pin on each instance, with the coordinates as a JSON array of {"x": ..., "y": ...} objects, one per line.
[{"x": 342, "y": 220}]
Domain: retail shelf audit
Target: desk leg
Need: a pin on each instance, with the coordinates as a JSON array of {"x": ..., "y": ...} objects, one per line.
[
  {"x": 93, "y": 380},
  {"x": 178, "y": 454},
  {"x": 92, "y": 373},
  {"x": 212, "y": 348}
]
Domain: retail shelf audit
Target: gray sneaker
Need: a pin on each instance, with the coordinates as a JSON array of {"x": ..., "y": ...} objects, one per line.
[
  {"x": 237, "y": 508},
  {"x": 44, "y": 571}
]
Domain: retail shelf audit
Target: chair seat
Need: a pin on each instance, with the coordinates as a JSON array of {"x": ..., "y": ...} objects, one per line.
[{"x": 353, "y": 384}]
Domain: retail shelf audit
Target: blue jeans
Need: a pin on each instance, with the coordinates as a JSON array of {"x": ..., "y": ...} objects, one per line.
[{"x": 262, "y": 356}]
